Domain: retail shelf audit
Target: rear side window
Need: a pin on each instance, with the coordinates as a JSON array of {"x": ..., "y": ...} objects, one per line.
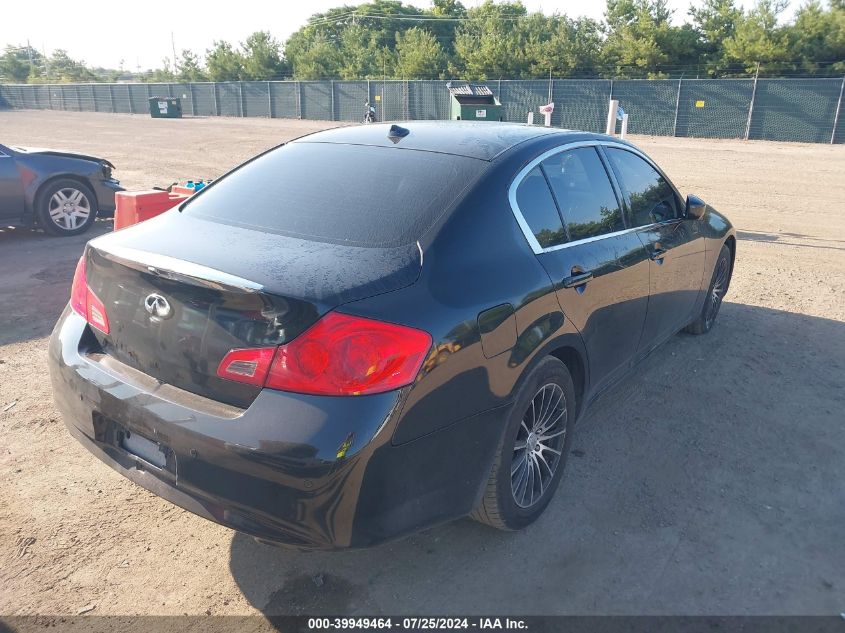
[
  {"x": 584, "y": 193},
  {"x": 348, "y": 194},
  {"x": 651, "y": 197},
  {"x": 537, "y": 206}
]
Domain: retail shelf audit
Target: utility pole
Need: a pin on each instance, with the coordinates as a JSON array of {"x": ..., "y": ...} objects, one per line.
[
  {"x": 29, "y": 53},
  {"x": 173, "y": 45},
  {"x": 46, "y": 63}
]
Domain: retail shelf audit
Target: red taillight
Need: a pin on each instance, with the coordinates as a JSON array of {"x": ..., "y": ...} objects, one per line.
[
  {"x": 247, "y": 365},
  {"x": 79, "y": 290},
  {"x": 340, "y": 355},
  {"x": 85, "y": 303}
]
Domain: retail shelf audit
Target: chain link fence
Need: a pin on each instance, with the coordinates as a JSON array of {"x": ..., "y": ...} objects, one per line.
[{"x": 809, "y": 110}]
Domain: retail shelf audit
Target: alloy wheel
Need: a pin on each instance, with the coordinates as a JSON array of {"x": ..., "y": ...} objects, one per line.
[
  {"x": 717, "y": 292},
  {"x": 538, "y": 446}
]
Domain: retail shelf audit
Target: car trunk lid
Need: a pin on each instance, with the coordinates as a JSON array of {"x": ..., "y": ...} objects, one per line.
[{"x": 181, "y": 292}]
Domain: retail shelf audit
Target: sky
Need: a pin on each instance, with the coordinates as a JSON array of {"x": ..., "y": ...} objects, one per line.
[{"x": 138, "y": 33}]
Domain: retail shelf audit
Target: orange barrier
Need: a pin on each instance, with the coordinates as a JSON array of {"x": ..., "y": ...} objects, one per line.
[
  {"x": 132, "y": 207},
  {"x": 182, "y": 191}
]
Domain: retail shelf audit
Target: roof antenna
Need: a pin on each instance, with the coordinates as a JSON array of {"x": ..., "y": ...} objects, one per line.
[{"x": 397, "y": 133}]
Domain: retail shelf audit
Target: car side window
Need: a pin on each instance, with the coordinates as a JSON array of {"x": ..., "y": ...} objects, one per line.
[
  {"x": 584, "y": 193},
  {"x": 651, "y": 197},
  {"x": 537, "y": 206}
]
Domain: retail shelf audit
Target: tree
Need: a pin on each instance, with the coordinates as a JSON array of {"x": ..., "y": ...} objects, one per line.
[
  {"x": 62, "y": 68},
  {"x": 262, "y": 57},
  {"x": 15, "y": 63},
  {"x": 501, "y": 39},
  {"x": 190, "y": 67},
  {"x": 418, "y": 55},
  {"x": 359, "y": 54},
  {"x": 817, "y": 38},
  {"x": 759, "y": 38},
  {"x": 490, "y": 44},
  {"x": 313, "y": 57},
  {"x": 224, "y": 63},
  {"x": 562, "y": 46},
  {"x": 165, "y": 74},
  {"x": 355, "y": 42},
  {"x": 715, "y": 21},
  {"x": 641, "y": 41},
  {"x": 451, "y": 11}
]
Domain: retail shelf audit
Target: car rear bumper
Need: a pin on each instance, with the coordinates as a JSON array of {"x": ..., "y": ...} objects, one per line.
[{"x": 312, "y": 472}]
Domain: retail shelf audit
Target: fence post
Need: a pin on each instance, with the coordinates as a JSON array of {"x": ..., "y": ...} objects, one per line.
[
  {"x": 751, "y": 105},
  {"x": 111, "y": 98},
  {"x": 129, "y": 97},
  {"x": 610, "y": 98},
  {"x": 269, "y": 100},
  {"x": 78, "y": 98},
  {"x": 331, "y": 89},
  {"x": 216, "y": 100},
  {"x": 93, "y": 98},
  {"x": 193, "y": 99},
  {"x": 838, "y": 108},
  {"x": 298, "y": 99},
  {"x": 677, "y": 105},
  {"x": 407, "y": 101},
  {"x": 241, "y": 98}
]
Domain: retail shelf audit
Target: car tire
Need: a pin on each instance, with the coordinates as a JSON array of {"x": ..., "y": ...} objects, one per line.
[
  {"x": 66, "y": 207},
  {"x": 547, "y": 393},
  {"x": 715, "y": 294}
]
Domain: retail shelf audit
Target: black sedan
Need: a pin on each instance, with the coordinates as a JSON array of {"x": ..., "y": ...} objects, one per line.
[
  {"x": 375, "y": 329},
  {"x": 62, "y": 192}
]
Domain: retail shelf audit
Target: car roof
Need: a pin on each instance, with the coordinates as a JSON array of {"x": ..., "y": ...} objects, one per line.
[{"x": 484, "y": 140}]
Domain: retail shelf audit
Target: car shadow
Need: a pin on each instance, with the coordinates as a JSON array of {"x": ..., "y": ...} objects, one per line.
[
  {"x": 789, "y": 239},
  {"x": 708, "y": 482},
  {"x": 37, "y": 271}
]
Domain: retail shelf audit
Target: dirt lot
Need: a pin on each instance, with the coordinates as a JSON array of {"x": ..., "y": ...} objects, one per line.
[{"x": 709, "y": 483}]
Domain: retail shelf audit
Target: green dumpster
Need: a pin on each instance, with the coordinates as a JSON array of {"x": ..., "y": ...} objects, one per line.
[
  {"x": 473, "y": 102},
  {"x": 165, "y": 107}
]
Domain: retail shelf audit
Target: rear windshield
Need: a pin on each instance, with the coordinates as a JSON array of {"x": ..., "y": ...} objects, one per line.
[{"x": 350, "y": 194}]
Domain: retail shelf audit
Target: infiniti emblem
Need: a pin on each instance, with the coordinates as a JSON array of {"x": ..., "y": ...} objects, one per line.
[{"x": 158, "y": 306}]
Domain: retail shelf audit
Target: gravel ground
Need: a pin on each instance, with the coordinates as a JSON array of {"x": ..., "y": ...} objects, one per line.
[{"x": 711, "y": 482}]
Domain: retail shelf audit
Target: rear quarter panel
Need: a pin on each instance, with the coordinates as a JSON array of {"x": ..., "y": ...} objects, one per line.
[
  {"x": 473, "y": 260},
  {"x": 717, "y": 230}
]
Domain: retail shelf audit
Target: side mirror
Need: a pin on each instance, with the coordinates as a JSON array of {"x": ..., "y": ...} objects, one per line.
[{"x": 695, "y": 207}]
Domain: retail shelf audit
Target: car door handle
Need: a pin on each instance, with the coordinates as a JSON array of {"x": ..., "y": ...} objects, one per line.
[
  {"x": 658, "y": 254},
  {"x": 577, "y": 280}
]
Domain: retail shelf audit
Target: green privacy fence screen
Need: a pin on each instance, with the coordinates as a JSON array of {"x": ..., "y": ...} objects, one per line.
[{"x": 809, "y": 110}]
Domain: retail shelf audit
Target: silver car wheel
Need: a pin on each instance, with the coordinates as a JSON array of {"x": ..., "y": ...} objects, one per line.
[
  {"x": 69, "y": 208},
  {"x": 538, "y": 446}
]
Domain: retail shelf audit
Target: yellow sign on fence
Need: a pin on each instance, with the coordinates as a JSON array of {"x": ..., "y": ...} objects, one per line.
[{"x": 699, "y": 104}]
